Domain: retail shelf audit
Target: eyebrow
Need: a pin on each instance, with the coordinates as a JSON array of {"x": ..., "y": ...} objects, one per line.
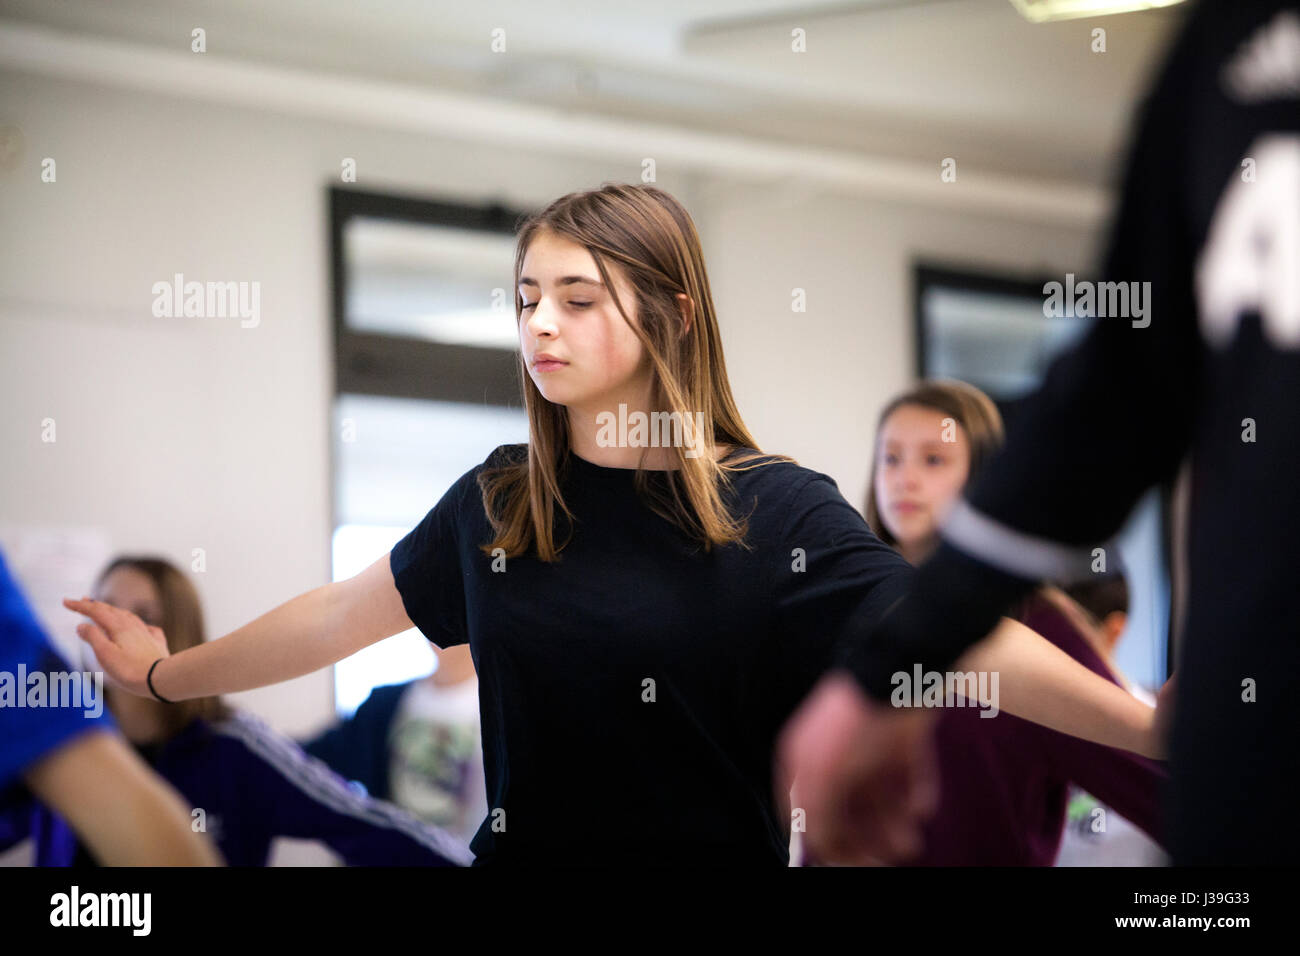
[
  {"x": 927, "y": 443},
  {"x": 566, "y": 280}
]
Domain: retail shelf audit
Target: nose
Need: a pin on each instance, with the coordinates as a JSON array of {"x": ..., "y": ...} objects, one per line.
[
  {"x": 907, "y": 476},
  {"x": 540, "y": 323}
]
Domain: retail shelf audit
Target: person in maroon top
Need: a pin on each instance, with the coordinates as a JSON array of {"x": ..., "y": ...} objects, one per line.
[{"x": 1003, "y": 782}]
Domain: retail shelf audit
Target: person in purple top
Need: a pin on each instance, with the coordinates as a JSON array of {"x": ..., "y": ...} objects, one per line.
[
  {"x": 1003, "y": 782},
  {"x": 245, "y": 783}
]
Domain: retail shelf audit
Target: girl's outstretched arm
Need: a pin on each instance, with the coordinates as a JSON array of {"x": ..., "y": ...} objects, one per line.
[
  {"x": 315, "y": 629},
  {"x": 1040, "y": 682}
]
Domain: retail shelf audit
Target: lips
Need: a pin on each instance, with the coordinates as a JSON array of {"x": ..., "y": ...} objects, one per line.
[{"x": 543, "y": 361}]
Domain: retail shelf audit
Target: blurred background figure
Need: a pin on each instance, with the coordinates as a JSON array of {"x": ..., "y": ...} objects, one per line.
[
  {"x": 418, "y": 745},
  {"x": 1104, "y": 600},
  {"x": 1097, "y": 835},
  {"x": 1004, "y": 782},
  {"x": 51, "y": 747},
  {"x": 246, "y": 784}
]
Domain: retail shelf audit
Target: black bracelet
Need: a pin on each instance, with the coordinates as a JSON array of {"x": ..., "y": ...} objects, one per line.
[{"x": 149, "y": 680}]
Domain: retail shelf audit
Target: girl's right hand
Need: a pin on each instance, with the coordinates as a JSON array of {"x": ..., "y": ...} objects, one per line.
[{"x": 125, "y": 645}]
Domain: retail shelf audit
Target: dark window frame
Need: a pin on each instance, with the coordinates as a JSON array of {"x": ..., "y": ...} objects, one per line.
[
  {"x": 925, "y": 274},
  {"x": 401, "y": 366}
]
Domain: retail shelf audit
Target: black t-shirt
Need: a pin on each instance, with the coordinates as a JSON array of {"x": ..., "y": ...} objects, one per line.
[
  {"x": 631, "y": 692},
  {"x": 1210, "y": 217}
]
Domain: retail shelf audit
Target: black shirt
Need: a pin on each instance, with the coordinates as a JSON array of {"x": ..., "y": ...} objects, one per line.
[
  {"x": 631, "y": 692},
  {"x": 1214, "y": 377}
]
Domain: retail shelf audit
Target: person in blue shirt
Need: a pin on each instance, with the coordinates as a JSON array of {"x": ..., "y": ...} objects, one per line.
[
  {"x": 245, "y": 784},
  {"x": 50, "y": 745}
]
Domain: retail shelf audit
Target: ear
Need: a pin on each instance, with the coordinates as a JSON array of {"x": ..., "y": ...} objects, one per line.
[
  {"x": 1113, "y": 627},
  {"x": 687, "y": 309}
]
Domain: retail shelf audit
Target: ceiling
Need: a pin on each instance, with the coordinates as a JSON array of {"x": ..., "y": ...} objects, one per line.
[{"x": 918, "y": 80}]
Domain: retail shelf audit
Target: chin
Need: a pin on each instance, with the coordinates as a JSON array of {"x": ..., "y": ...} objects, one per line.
[
  {"x": 909, "y": 535},
  {"x": 549, "y": 392},
  {"x": 575, "y": 394},
  {"x": 557, "y": 396}
]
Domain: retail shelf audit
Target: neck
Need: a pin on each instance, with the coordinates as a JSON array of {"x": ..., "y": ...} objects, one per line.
[
  {"x": 915, "y": 552},
  {"x": 602, "y": 432},
  {"x": 143, "y": 721}
]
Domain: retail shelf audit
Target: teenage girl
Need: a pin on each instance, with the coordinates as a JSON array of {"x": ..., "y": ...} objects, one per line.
[{"x": 645, "y": 606}]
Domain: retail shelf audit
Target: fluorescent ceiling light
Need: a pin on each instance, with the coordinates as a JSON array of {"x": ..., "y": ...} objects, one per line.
[{"x": 1040, "y": 11}]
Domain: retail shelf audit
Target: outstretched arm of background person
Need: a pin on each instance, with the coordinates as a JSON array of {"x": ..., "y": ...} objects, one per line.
[
  {"x": 311, "y": 631},
  {"x": 866, "y": 772},
  {"x": 1040, "y": 682},
  {"x": 130, "y": 816}
]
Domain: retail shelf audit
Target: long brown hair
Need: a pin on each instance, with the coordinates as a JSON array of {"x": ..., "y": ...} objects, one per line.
[
  {"x": 649, "y": 236},
  {"x": 182, "y": 622},
  {"x": 965, "y": 404}
]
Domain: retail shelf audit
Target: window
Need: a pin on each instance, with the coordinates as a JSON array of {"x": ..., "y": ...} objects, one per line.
[{"x": 427, "y": 382}]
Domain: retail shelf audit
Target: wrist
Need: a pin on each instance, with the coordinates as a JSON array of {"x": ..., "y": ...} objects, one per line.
[
  {"x": 1147, "y": 732},
  {"x": 151, "y": 682}
]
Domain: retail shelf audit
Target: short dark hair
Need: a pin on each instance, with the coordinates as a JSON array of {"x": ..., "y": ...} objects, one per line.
[{"x": 1100, "y": 594}]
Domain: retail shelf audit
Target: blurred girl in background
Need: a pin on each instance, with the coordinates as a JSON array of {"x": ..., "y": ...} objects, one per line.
[
  {"x": 246, "y": 783},
  {"x": 1004, "y": 782}
]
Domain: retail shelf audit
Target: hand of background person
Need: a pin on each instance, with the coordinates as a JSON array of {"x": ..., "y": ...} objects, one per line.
[{"x": 867, "y": 774}]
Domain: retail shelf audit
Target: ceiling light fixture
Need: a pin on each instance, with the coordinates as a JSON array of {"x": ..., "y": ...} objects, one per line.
[{"x": 1042, "y": 11}]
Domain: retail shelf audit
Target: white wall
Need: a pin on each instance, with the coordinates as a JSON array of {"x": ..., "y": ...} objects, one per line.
[
  {"x": 175, "y": 434},
  {"x": 812, "y": 384}
]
